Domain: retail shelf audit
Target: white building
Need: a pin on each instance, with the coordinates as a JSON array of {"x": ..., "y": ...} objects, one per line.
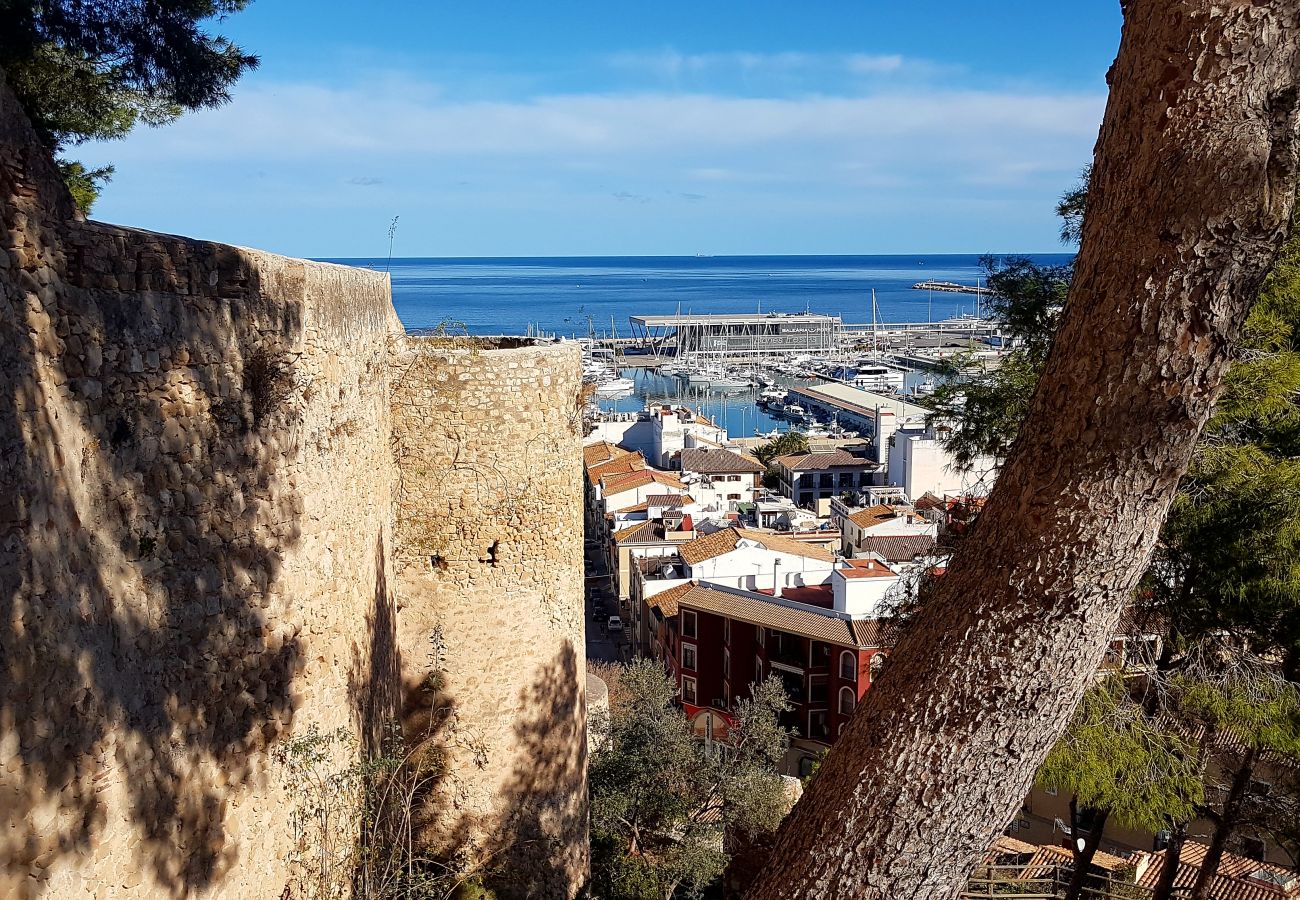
[
  {"x": 918, "y": 463},
  {"x": 659, "y": 432},
  {"x": 755, "y": 560},
  {"x": 718, "y": 479}
]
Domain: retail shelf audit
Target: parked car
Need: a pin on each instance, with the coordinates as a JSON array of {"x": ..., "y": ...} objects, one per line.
[{"x": 614, "y": 623}]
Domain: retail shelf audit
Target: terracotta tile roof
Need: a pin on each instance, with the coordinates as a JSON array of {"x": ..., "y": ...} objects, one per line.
[
  {"x": 602, "y": 452},
  {"x": 639, "y": 533},
  {"x": 1238, "y": 877},
  {"x": 875, "y": 515},
  {"x": 814, "y": 462},
  {"x": 725, "y": 541},
  {"x": 629, "y": 480},
  {"x": 669, "y": 500},
  {"x": 898, "y": 547},
  {"x": 929, "y": 500},
  {"x": 718, "y": 461},
  {"x": 666, "y": 601},
  {"x": 746, "y": 607},
  {"x": 867, "y": 568},
  {"x": 632, "y": 462}
]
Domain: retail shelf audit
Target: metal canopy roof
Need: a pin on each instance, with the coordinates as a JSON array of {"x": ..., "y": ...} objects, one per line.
[{"x": 741, "y": 319}]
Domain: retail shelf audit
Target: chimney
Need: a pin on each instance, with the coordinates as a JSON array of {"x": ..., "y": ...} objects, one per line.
[{"x": 776, "y": 577}]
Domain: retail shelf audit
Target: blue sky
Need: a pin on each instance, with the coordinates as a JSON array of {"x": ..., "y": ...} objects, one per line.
[{"x": 563, "y": 128}]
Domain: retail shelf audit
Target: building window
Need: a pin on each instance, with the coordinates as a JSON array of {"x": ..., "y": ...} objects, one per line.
[
  {"x": 726, "y": 630},
  {"x": 688, "y": 657},
  {"x": 762, "y": 635},
  {"x": 877, "y": 663},
  {"x": 818, "y": 730},
  {"x": 818, "y": 690},
  {"x": 733, "y": 496},
  {"x": 848, "y": 701},
  {"x": 726, "y": 663},
  {"x": 758, "y": 671},
  {"x": 807, "y": 765},
  {"x": 849, "y": 666},
  {"x": 690, "y": 623},
  {"x": 688, "y": 691}
]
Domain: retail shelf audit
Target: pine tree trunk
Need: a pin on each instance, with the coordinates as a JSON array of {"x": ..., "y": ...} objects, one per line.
[
  {"x": 1189, "y": 202},
  {"x": 1083, "y": 858},
  {"x": 1224, "y": 825},
  {"x": 1164, "y": 889}
]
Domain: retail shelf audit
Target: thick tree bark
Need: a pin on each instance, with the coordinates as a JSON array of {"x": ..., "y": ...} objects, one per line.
[
  {"x": 1190, "y": 200},
  {"x": 1224, "y": 825},
  {"x": 1083, "y": 858},
  {"x": 1164, "y": 889}
]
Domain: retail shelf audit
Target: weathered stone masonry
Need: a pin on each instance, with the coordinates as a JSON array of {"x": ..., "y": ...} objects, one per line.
[{"x": 224, "y": 478}]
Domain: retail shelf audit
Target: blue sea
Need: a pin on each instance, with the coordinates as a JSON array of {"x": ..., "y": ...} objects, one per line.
[{"x": 575, "y": 296}]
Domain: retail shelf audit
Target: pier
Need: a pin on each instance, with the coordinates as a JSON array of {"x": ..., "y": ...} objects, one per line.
[{"x": 949, "y": 287}]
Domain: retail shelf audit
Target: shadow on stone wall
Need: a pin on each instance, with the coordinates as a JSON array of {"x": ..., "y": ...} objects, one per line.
[
  {"x": 547, "y": 790},
  {"x": 140, "y": 546},
  {"x": 374, "y": 679},
  {"x": 530, "y": 851}
]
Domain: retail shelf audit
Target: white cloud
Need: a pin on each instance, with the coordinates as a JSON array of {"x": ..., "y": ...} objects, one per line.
[
  {"x": 673, "y": 65},
  {"x": 863, "y": 64},
  {"x": 298, "y": 122}
]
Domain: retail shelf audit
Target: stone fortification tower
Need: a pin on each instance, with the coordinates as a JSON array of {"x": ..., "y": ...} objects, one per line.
[
  {"x": 487, "y": 438},
  {"x": 212, "y": 462}
]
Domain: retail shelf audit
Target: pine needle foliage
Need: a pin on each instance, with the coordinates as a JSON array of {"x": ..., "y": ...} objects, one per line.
[
  {"x": 94, "y": 69},
  {"x": 1114, "y": 757}
]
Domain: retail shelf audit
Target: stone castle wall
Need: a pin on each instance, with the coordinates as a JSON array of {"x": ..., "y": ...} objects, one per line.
[
  {"x": 198, "y": 492},
  {"x": 489, "y": 564}
]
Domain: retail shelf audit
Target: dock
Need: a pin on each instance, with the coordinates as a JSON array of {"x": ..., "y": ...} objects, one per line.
[{"x": 949, "y": 287}]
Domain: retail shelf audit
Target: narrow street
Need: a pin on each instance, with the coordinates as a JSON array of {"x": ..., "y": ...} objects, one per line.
[{"x": 600, "y": 603}]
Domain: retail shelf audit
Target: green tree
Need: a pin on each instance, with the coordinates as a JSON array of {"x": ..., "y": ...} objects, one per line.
[
  {"x": 790, "y": 443},
  {"x": 1243, "y": 699},
  {"x": 1118, "y": 762},
  {"x": 661, "y": 798},
  {"x": 987, "y": 408},
  {"x": 86, "y": 71}
]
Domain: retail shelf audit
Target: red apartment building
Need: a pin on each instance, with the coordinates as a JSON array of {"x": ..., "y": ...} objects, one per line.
[{"x": 718, "y": 640}]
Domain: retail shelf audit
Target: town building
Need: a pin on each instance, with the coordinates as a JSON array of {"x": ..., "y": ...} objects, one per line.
[
  {"x": 720, "y": 480},
  {"x": 824, "y": 642},
  {"x": 718, "y": 337},
  {"x": 824, "y": 472},
  {"x": 862, "y": 529},
  {"x": 658, "y": 432},
  {"x": 918, "y": 462}
]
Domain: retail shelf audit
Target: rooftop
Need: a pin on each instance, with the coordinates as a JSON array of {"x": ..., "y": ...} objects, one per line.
[
  {"x": 666, "y": 601},
  {"x": 880, "y": 513},
  {"x": 626, "y": 481},
  {"x": 723, "y": 319},
  {"x": 813, "y": 462},
  {"x": 844, "y": 396},
  {"x": 667, "y": 501},
  {"x": 619, "y": 465},
  {"x": 724, "y": 541},
  {"x": 898, "y": 547},
  {"x": 866, "y": 568},
  {"x": 711, "y": 461},
  {"x": 1237, "y": 878},
  {"x": 785, "y": 615}
]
